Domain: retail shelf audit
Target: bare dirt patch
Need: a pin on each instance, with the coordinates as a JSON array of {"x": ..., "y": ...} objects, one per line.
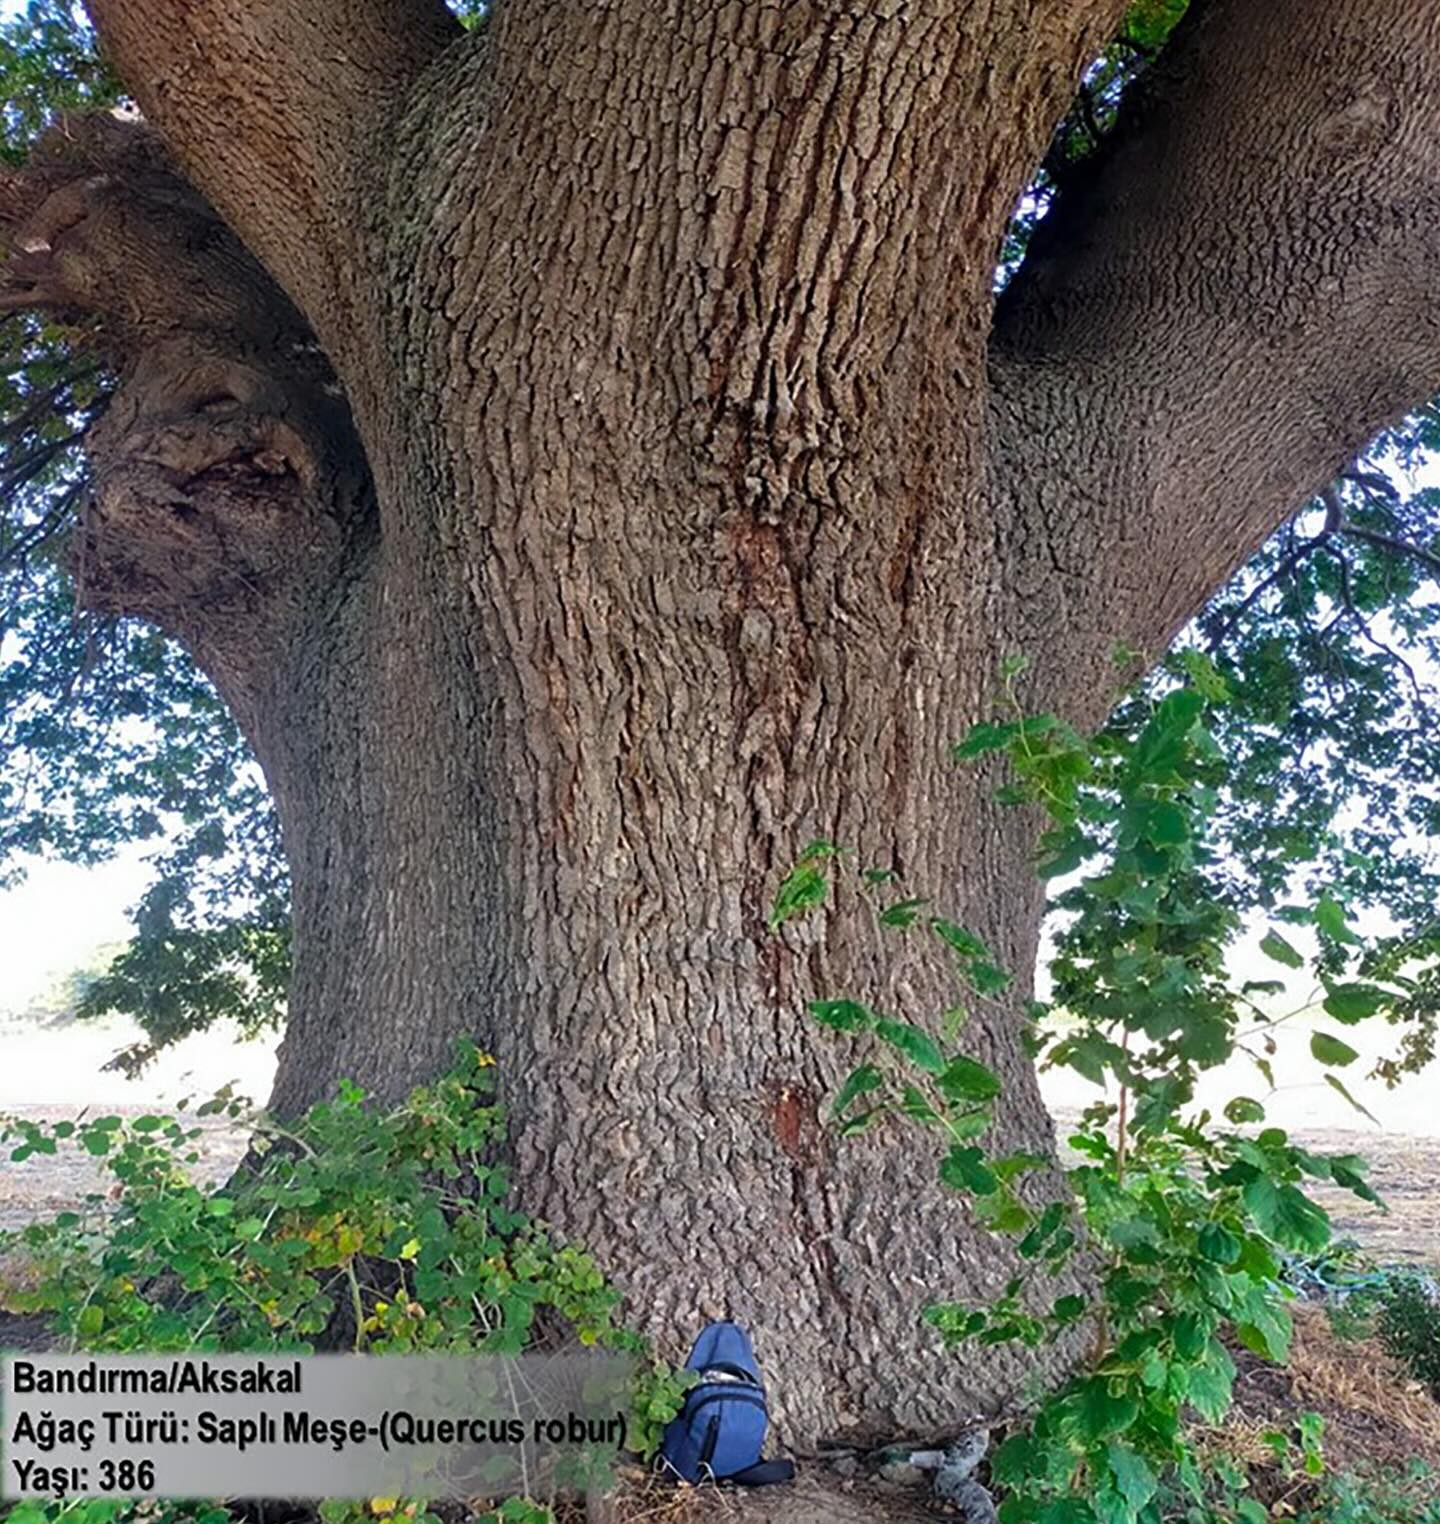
[{"x": 1405, "y": 1171}]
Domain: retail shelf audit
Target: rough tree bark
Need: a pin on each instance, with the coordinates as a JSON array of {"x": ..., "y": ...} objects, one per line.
[{"x": 660, "y": 490}]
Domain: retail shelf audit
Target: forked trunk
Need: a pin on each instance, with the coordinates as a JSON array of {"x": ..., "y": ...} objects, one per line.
[
  {"x": 556, "y": 821},
  {"x": 690, "y": 556}
]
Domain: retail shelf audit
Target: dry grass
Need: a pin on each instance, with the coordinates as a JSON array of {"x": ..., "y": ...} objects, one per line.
[
  {"x": 1364, "y": 1388},
  {"x": 1375, "y": 1415},
  {"x": 817, "y": 1496}
]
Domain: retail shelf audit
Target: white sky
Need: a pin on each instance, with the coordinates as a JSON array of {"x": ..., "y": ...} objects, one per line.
[{"x": 56, "y": 918}]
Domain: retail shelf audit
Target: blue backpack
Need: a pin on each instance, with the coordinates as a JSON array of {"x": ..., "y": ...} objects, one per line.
[{"x": 720, "y": 1432}]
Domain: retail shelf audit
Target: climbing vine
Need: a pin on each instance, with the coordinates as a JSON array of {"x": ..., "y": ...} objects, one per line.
[{"x": 1183, "y": 1218}]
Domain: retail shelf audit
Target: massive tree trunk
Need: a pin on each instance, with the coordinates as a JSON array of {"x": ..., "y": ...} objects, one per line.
[{"x": 659, "y": 498}]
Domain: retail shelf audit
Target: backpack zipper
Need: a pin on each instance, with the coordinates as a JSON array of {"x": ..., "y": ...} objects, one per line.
[
  {"x": 754, "y": 1401},
  {"x": 712, "y": 1438}
]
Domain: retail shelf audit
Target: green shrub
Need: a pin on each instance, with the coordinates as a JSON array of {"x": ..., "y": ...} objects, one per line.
[
  {"x": 1408, "y": 1327},
  {"x": 1410, "y": 1497},
  {"x": 379, "y": 1231}
]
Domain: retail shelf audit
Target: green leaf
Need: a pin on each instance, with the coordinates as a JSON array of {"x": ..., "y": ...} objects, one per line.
[
  {"x": 1330, "y": 1050},
  {"x": 916, "y": 1044},
  {"x": 1211, "y": 1381},
  {"x": 1275, "y": 946},
  {"x": 972, "y": 1123},
  {"x": 852, "y": 1127},
  {"x": 1049, "y": 1221},
  {"x": 1017, "y": 1460},
  {"x": 1099, "y": 1412},
  {"x": 1178, "y": 711},
  {"x": 1335, "y": 1084},
  {"x": 964, "y": 942},
  {"x": 1243, "y": 1109},
  {"x": 1130, "y": 1231},
  {"x": 1090, "y": 1055},
  {"x": 1218, "y": 1244},
  {"x": 1002, "y": 1212},
  {"x": 1167, "y": 825},
  {"x": 1191, "y": 1334},
  {"x": 986, "y": 978},
  {"x": 1267, "y": 1333},
  {"x": 1203, "y": 674},
  {"x": 1286, "y": 1214},
  {"x": 1354, "y": 1002},
  {"x": 964, "y": 1169},
  {"x": 982, "y": 738},
  {"x": 861, "y": 1080},
  {"x": 803, "y": 888},
  {"x": 1064, "y": 1511},
  {"x": 843, "y": 1015},
  {"x": 963, "y": 1079},
  {"x": 1012, "y": 1166},
  {"x": 904, "y": 913},
  {"x": 1330, "y": 918},
  {"x": 1348, "y": 1171},
  {"x": 1206, "y": 1040},
  {"x": 1135, "y": 1480},
  {"x": 914, "y": 1103}
]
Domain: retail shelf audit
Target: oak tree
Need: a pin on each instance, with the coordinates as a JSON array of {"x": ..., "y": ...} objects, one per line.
[{"x": 590, "y": 456}]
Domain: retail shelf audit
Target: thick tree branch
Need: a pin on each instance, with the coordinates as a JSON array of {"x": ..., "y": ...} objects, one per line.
[
  {"x": 270, "y": 107},
  {"x": 1391, "y": 542},
  {"x": 1237, "y": 298}
]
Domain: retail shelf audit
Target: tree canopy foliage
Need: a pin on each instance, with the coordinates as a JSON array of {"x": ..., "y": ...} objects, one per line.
[{"x": 109, "y": 735}]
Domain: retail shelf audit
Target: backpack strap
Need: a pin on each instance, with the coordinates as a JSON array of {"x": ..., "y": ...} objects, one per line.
[{"x": 764, "y": 1474}]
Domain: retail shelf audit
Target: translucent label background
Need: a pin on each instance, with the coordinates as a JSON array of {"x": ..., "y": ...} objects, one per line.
[{"x": 574, "y": 1389}]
